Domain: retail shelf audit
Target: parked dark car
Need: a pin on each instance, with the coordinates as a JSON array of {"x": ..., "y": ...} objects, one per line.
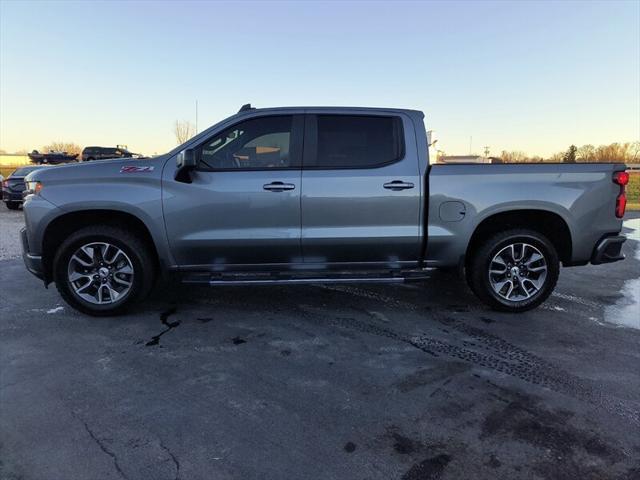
[
  {"x": 13, "y": 186},
  {"x": 103, "y": 153}
]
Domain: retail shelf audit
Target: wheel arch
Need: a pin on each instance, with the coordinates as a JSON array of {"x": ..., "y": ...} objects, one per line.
[
  {"x": 64, "y": 225},
  {"x": 548, "y": 223}
]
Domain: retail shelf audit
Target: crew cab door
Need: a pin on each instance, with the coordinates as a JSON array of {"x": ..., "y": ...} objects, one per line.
[
  {"x": 361, "y": 190},
  {"x": 242, "y": 206}
]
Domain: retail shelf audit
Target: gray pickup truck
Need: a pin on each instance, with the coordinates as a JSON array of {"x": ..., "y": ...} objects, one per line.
[{"x": 316, "y": 195}]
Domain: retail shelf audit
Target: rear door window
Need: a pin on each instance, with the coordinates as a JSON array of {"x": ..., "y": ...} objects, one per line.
[{"x": 355, "y": 141}]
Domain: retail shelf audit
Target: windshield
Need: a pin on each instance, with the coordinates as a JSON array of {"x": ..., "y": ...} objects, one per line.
[{"x": 24, "y": 171}]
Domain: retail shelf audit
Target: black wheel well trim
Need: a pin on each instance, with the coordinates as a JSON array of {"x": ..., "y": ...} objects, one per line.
[
  {"x": 64, "y": 225},
  {"x": 546, "y": 222}
]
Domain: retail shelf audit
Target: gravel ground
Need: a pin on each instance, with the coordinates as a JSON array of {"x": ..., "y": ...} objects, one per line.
[
  {"x": 406, "y": 382},
  {"x": 11, "y": 221}
]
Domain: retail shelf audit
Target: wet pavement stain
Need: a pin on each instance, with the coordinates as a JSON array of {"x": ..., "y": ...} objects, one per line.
[
  {"x": 570, "y": 452},
  {"x": 205, "y": 320},
  {"x": 429, "y": 469},
  {"x": 493, "y": 462},
  {"x": 164, "y": 316},
  {"x": 238, "y": 340},
  {"x": 404, "y": 445},
  {"x": 350, "y": 447}
]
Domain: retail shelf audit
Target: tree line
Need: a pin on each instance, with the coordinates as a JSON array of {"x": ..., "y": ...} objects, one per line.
[{"x": 614, "y": 153}]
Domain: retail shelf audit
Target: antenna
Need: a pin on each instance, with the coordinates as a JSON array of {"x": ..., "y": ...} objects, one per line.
[{"x": 245, "y": 107}]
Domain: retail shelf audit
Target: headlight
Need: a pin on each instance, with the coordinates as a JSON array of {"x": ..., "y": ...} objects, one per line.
[{"x": 33, "y": 188}]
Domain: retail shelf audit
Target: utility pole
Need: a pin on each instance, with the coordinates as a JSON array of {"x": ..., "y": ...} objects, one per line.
[
  {"x": 470, "y": 144},
  {"x": 196, "y": 117},
  {"x": 487, "y": 151}
]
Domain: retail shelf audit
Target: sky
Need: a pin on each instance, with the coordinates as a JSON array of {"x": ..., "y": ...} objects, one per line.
[{"x": 512, "y": 75}]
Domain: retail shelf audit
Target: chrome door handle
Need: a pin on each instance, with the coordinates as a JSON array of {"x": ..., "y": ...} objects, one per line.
[
  {"x": 397, "y": 185},
  {"x": 278, "y": 186}
]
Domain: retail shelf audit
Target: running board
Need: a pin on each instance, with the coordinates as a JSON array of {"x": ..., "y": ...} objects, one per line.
[{"x": 216, "y": 281}]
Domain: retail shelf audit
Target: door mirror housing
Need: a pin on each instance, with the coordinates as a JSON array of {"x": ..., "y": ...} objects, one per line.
[{"x": 185, "y": 161}]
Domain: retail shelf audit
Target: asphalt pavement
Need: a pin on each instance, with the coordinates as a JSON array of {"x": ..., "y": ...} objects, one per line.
[{"x": 415, "y": 381}]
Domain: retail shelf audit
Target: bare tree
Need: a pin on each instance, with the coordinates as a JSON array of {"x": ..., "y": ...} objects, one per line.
[
  {"x": 635, "y": 152},
  {"x": 68, "y": 147},
  {"x": 184, "y": 130},
  {"x": 513, "y": 157},
  {"x": 586, "y": 153}
]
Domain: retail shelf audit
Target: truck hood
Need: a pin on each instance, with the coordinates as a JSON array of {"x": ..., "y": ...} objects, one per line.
[{"x": 98, "y": 169}]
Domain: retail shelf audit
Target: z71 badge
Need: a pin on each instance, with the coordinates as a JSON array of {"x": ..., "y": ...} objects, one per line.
[{"x": 136, "y": 169}]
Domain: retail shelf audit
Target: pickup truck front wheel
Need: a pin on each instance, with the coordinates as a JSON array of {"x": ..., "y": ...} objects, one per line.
[
  {"x": 514, "y": 271},
  {"x": 101, "y": 270}
]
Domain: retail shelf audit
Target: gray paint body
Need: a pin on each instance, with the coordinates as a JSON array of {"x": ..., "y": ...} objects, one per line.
[{"x": 333, "y": 219}]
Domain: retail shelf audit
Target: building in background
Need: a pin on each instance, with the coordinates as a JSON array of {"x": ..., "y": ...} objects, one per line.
[{"x": 464, "y": 159}]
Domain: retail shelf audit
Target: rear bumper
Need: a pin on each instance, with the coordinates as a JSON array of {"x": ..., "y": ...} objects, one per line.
[
  {"x": 608, "y": 249},
  {"x": 32, "y": 262}
]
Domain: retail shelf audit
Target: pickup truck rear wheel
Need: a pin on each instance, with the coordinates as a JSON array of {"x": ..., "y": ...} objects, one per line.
[
  {"x": 514, "y": 270},
  {"x": 102, "y": 270},
  {"x": 12, "y": 205}
]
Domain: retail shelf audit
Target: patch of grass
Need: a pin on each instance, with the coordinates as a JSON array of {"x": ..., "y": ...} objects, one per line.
[
  {"x": 6, "y": 170},
  {"x": 633, "y": 191}
]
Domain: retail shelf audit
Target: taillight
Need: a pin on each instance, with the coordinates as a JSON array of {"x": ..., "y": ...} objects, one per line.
[{"x": 621, "y": 178}]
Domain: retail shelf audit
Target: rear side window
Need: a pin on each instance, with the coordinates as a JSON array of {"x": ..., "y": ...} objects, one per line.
[{"x": 358, "y": 141}]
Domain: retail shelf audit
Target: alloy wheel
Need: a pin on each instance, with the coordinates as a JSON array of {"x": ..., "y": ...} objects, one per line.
[
  {"x": 517, "y": 272},
  {"x": 100, "y": 273}
]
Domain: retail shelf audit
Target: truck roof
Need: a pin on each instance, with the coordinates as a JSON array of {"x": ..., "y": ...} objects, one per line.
[{"x": 248, "y": 108}]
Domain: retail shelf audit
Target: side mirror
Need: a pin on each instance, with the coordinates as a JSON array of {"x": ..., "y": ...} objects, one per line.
[{"x": 185, "y": 161}]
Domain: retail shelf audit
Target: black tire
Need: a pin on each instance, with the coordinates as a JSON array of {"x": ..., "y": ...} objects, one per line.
[
  {"x": 12, "y": 205},
  {"x": 137, "y": 251},
  {"x": 478, "y": 276}
]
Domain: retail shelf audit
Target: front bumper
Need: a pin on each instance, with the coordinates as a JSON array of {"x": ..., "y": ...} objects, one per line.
[
  {"x": 608, "y": 249},
  {"x": 9, "y": 196},
  {"x": 32, "y": 262}
]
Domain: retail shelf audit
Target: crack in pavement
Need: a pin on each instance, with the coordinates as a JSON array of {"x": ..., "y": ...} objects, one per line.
[
  {"x": 102, "y": 446},
  {"x": 173, "y": 458}
]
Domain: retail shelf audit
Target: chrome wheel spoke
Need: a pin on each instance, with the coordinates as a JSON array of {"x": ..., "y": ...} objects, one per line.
[
  {"x": 121, "y": 281},
  {"x": 90, "y": 252},
  {"x": 81, "y": 261},
  {"x": 538, "y": 269},
  {"x": 510, "y": 290},
  {"x": 125, "y": 269},
  {"x": 113, "y": 294},
  {"x": 75, "y": 276},
  {"x": 84, "y": 287}
]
